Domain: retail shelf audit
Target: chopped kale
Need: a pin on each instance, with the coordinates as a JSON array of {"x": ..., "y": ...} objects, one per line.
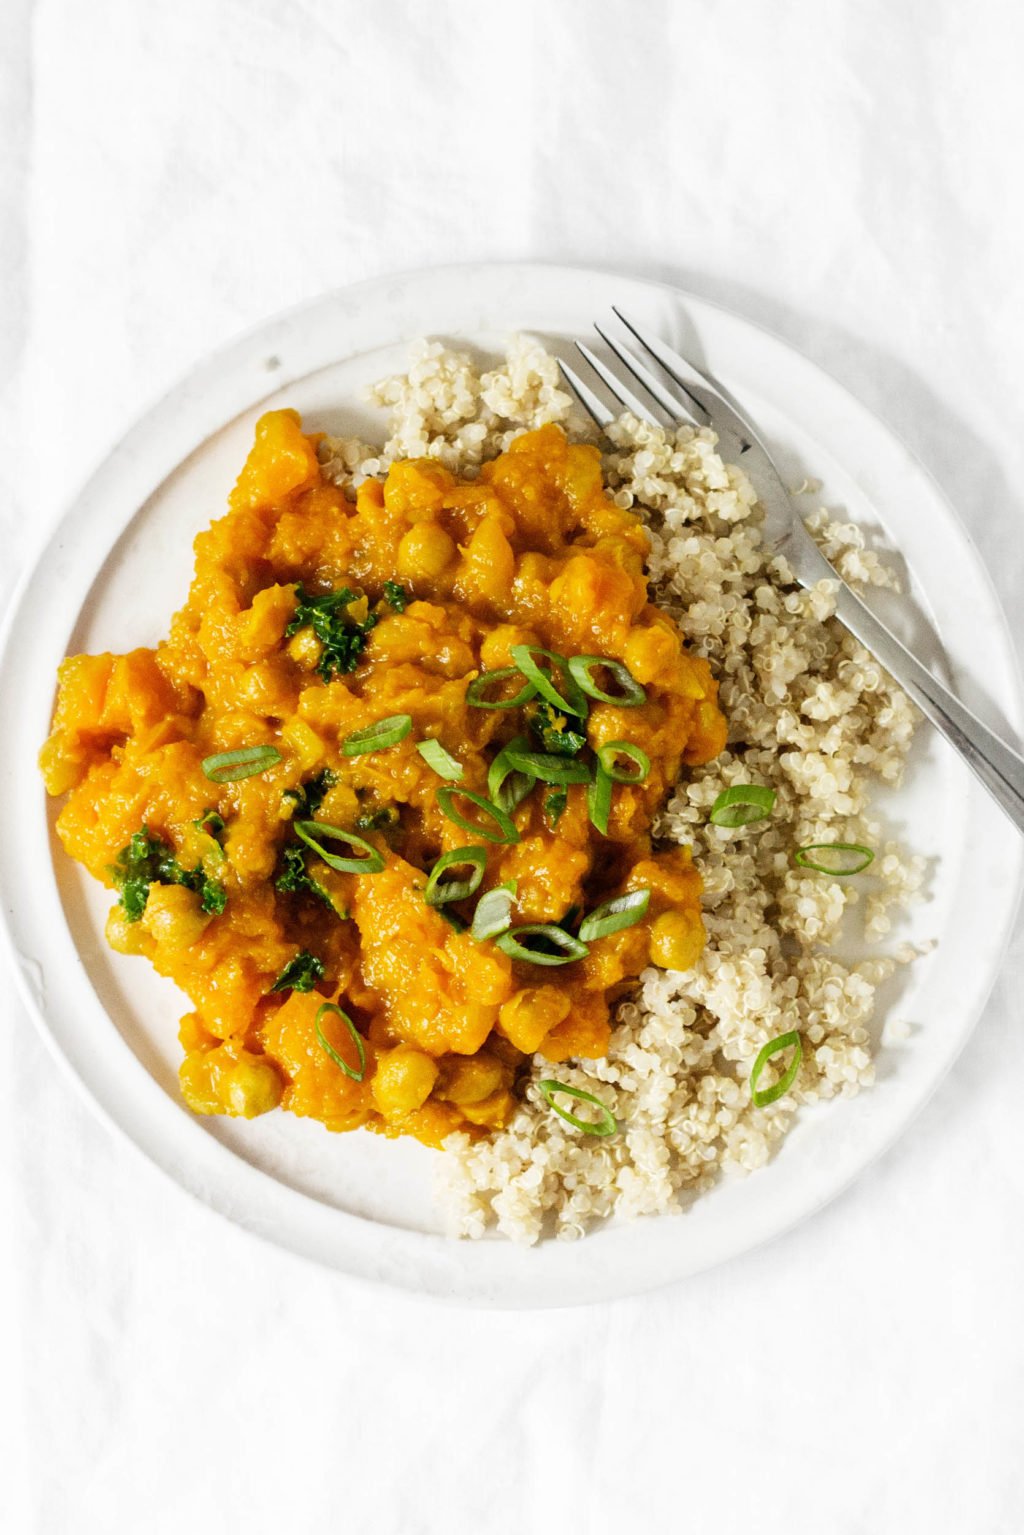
[
  {"x": 552, "y": 730},
  {"x": 212, "y": 823},
  {"x": 343, "y": 638},
  {"x": 300, "y": 973},
  {"x": 396, "y": 596},
  {"x": 148, "y": 860},
  {"x": 295, "y": 878},
  {"x": 308, "y": 797},
  {"x": 555, "y": 802},
  {"x": 377, "y": 820}
]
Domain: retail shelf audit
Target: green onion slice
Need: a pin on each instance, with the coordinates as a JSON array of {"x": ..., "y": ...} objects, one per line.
[
  {"x": 548, "y": 767},
  {"x": 608, "y": 755},
  {"x": 453, "y": 919},
  {"x": 493, "y": 913},
  {"x": 506, "y": 787},
  {"x": 631, "y": 693},
  {"x": 226, "y": 767},
  {"x": 480, "y": 687},
  {"x": 599, "y": 800},
  {"x": 439, "y": 893},
  {"x": 312, "y": 832},
  {"x": 606, "y": 1124},
  {"x": 838, "y": 858},
  {"x": 506, "y": 829},
  {"x": 791, "y": 1041},
  {"x": 512, "y": 943},
  {"x": 743, "y": 804},
  {"x": 374, "y": 738},
  {"x": 357, "y": 1039},
  {"x": 443, "y": 763},
  {"x": 573, "y": 700},
  {"x": 621, "y": 911}
]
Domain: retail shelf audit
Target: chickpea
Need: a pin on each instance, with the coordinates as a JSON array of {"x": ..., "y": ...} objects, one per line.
[
  {"x": 677, "y": 939},
  {"x": 127, "y": 937},
  {"x": 305, "y": 649},
  {"x": 173, "y": 916},
  {"x": 251, "y": 1087},
  {"x": 424, "y": 551},
  {"x": 198, "y": 1075},
  {"x": 529, "y": 1016},
  {"x": 471, "y": 1079},
  {"x": 403, "y": 1081}
]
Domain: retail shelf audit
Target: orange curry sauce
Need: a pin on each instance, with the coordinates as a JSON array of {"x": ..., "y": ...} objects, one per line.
[{"x": 532, "y": 552}]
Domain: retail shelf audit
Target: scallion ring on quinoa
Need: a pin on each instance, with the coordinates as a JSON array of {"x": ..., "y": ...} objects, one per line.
[
  {"x": 562, "y": 948},
  {"x": 742, "y": 805},
  {"x": 599, "y": 799},
  {"x": 505, "y": 826},
  {"x": 548, "y": 767},
  {"x": 357, "y": 1040},
  {"x": 442, "y": 761},
  {"x": 836, "y": 858},
  {"x": 440, "y": 892},
  {"x": 313, "y": 833},
  {"x": 610, "y": 917},
  {"x": 378, "y": 736},
  {"x": 227, "y": 767},
  {"x": 606, "y": 1124},
  {"x": 630, "y": 692},
  {"x": 608, "y": 757},
  {"x": 761, "y": 1097},
  {"x": 480, "y": 687},
  {"x": 572, "y": 699}
]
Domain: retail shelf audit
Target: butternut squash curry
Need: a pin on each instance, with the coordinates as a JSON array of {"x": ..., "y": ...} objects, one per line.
[{"x": 381, "y": 804}]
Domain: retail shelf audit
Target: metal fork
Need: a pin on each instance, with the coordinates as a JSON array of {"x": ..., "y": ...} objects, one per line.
[{"x": 702, "y": 401}]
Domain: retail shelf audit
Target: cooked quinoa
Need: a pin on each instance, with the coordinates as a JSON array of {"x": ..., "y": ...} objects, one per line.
[{"x": 811, "y": 715}]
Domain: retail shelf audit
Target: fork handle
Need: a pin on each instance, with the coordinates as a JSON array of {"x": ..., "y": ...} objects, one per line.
[{"x": 997, "y": 765}]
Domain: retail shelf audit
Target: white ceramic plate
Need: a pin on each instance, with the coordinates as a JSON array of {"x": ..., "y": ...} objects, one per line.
[{"x": 119, "y": 564}]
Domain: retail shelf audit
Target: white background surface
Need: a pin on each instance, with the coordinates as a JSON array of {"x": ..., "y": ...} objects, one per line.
[{"x": 845, "y": 173}]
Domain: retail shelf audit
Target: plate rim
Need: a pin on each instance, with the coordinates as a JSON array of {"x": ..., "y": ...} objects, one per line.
[{"x": 445, "y": 1283}]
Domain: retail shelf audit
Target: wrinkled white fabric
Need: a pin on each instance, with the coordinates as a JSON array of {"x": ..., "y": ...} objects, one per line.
[{"x": 847, "y": 172}]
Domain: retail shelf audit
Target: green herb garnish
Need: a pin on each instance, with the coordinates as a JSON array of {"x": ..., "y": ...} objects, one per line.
[
  {"x": 378, "y": 820},
  {"x": 378, "y": 736},
  {"x": 295, "y": 878},
  {"x": 836, "y": 858},
  {"x": 343, "y": 638},
  {"x": 357, "y": 1040},
  {"x": 609, "y": 755},
  {"x": 552, "y": 730},
  {"x": 542, "y": 943},
  {"x": 148, "y": 860},
  {"x": 761, "y": 1097},
  {"x": 309, "y": 796},
  {"x": 555, "y": 802},
  {"x": 493, "y": 914},
  {"x": 440, "y": 892},
  {"x": 742, "y": 805},
  {"x": 630, "y": 692},
  {"x": 395, "y": 596},
  {"x": 315, "y": 833},
  {"x": 300, "y": 973},
  {"x": 228, "y": 767},
  {"x": 503, "y": 828},
  {"x": 621, "y": 911}
]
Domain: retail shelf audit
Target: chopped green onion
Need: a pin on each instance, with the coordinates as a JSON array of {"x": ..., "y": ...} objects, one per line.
[
  {"x": 506, "y": 787},
  {"x": 226, "y": 767},
  {"x": 555, "y": 802},
  {"x": 742, "y": 805},
  {"x": 548, "y": 767},
  {"x": 607, "y": 755},
  {"x": 838, "y": 858},
  {"x": 312, "y": 831},
  {"x": 607, "y": 1124},
  {"x": 479, "y": 686},
  {"x": 552, "y": 729},
  {"x": 621, "y": 911},
  {"x": 506, "y": 831},
  {"x": 374, "y": 738},
  {"x": 300, "y": 973},
  {"x": 357, "y": 1040},
  {"x": 573, "y": 701},
  {"x": 599, "y": 800},
  {"x": 631, "y": 693},
  {"x": 473, "y": 858},
  {"x": 212, "y": 823},
  {"x": 493, "y": 913},
  {"x": 443, "y": 763},
  {"x": 762, "y": 1097},
  {"x": 511, "y": 943}
]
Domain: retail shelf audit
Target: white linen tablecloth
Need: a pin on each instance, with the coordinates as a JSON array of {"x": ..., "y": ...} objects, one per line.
[{"x": 845, "y": 171}]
